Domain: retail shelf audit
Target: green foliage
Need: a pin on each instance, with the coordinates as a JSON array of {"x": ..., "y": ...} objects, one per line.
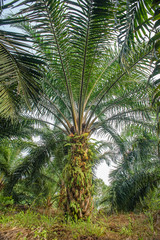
[
  {"x": 19, "y": 73},
  {"x": 42, "y": 226},
  {"x": 136, "y": 174},
  {"x": 37, "y": 223},
  {"x": 30, "y": 179},
  {"x": 32, "y": 224},
  {"x": 151, "y": 202},
  {"x": 100, "y": 189},
  {"x": 86, "y": 229},
  {"x": 150, "y": 205},
  {"x": 5, "y": 202},
  {"x": 134, "y": 22},
  {"x": 127, "y": 230},
  {"x": 156, "y": 40},
  {"x": 83, "y": 80}
]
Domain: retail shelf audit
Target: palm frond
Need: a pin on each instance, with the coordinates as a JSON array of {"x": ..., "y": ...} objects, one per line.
[
  {"x": 154, "y": 78},
  {"x": 36, "y": 159},
  {"x": 65, "y": 32},
  {"x": 106, "y": 130},
  {"x": 120, "y": 75},
  {"x": 19, "y": 71},
  {"x": 134, "y": 23},
  {"x": 52, "y": 29}
]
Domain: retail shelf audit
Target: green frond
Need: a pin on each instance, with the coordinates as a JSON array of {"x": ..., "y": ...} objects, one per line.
[
  {"x": 35, "y": 160},
  {"x": 65, "y": 35},
  {"x": 4, "y": 167},
  {"x": 119, "y": 77},
  {"x": 154, "y": 78},
  {"x": 83, "y": 72},
  {"x": 51, "y": 34},
  {"x": 19, "y": 70},
  {"x": 21, "y": 128},
  {"x": 108, "y": 132},
  {"x": 18, "y": 79},
  {"x": 128, "y": 193},
  {"x": 134, "y": 23}
]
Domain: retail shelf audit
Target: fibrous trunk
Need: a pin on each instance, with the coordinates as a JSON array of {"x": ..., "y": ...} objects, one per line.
[{"x": 76, "y": 191}]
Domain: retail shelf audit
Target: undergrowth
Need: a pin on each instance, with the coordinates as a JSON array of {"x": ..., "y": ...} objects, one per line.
[{"x": 31, "y": 224}]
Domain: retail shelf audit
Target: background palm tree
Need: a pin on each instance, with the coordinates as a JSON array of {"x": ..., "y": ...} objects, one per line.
[
  {"x": 30, "y": 171},
  {"x": 136, "y": 174}
]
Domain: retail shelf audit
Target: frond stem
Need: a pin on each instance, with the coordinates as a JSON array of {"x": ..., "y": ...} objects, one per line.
[
  {"x": 83, "y": 72},
  {"x": 108, "y": 65},
  {"x": 65, "y": 126}
]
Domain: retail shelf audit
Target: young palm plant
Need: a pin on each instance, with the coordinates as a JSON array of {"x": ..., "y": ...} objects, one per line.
[{"x": 85, "y": 89}]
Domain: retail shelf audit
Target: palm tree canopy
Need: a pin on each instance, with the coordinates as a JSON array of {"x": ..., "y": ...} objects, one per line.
[{"x": 84, "y": 83}]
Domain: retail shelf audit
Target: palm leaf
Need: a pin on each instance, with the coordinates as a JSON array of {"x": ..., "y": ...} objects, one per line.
[
  {"x": 134, "y": 22},
  {"x": 19, "y": 71}
]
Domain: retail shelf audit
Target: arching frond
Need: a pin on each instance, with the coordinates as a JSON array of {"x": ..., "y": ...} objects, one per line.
[
  {"x": 19, "y": 70},
  {"x": 134, "y": 22}
]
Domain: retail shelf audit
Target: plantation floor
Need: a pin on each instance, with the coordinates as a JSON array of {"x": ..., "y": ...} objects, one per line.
[{"x": 50, "y": 225}]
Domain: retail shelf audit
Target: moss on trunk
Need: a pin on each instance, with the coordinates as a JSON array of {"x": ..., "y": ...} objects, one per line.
[{"x": 76, "y": 192}]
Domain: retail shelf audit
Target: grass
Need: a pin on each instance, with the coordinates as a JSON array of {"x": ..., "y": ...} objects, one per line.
[{"x": 31, "y": 224}]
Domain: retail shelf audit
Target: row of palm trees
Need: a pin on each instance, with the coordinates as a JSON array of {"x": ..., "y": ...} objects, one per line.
[{"x": 88, "y": 75}]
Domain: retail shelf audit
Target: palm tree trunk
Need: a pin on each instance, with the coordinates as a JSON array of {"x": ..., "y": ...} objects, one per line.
[{"x": 77, "y": 192}]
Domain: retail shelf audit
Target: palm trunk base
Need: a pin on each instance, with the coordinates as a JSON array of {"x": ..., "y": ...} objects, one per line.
[{"x": 76, "y": 192}]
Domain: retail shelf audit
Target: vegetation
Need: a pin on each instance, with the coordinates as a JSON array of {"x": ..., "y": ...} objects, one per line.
[
  {"x": 34, "y": 225},
  {"x": 136, "y": 174},
  {"x": 72, "y": 71}
]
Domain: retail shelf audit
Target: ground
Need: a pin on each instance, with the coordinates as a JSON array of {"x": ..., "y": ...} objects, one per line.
[{"x": 42, "y": 224}]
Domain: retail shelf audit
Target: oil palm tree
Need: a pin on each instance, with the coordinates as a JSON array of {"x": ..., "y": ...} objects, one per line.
[
  {"x": 29, "y": 177},
  {"x": 86, "y": 91},
  {"x": 11, "y": 156},
  {"x": 136, "y": 173}
]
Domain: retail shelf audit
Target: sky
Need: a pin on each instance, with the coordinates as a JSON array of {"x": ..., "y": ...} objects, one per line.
[{"x": 103, "y": 171}]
